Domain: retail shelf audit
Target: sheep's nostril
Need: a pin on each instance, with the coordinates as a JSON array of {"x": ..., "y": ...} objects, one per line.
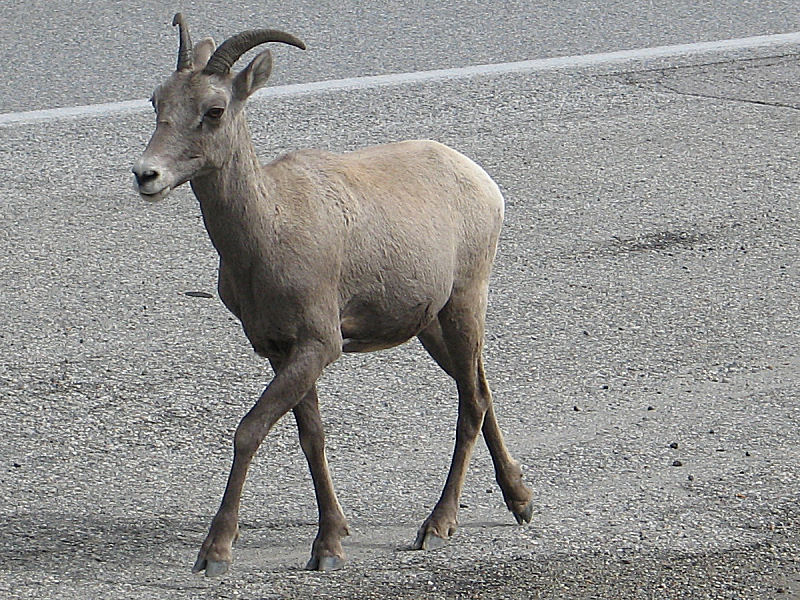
[{"x": 142, "y": 177}]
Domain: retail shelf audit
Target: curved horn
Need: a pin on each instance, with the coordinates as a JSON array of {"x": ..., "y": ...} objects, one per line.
[
  {"x": 231, "y": 49},
  {"x": 185, "y": 62}
]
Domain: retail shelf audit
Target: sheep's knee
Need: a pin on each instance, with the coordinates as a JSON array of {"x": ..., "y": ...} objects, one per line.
[{"x": 248, "y": 437}]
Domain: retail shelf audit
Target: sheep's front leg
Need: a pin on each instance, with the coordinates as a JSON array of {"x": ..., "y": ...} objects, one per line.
[
  {"x": 326, "y": 552},
  {"x": 293, "y": 381}
]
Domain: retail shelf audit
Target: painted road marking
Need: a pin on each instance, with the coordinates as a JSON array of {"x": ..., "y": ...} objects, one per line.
[{"x": 399, "y": 79}]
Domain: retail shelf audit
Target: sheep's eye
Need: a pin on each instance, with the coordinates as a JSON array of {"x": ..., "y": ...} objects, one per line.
[{"x": 215, "y": 113}]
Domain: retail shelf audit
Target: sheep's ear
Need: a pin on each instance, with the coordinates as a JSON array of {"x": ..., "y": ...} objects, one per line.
[
  {"x": 202, "y": 52},
  {"x": 253, "y": 76}
]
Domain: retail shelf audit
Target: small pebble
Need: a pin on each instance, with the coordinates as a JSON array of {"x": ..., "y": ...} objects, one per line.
[
  {"x": 677, "y": 463},
  {"x": 673, "y": 445},
  {"x": 199, "y": 294}
]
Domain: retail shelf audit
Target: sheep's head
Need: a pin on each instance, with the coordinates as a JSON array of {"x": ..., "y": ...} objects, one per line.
[{"x": 197, "y": 106}]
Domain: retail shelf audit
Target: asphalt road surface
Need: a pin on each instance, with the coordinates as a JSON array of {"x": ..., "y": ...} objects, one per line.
[
  {"x": 642, "y": 331},
  {"x": 72, "y": 53}
]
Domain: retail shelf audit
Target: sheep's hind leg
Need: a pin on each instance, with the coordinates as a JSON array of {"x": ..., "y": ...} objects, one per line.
[
  {"x": 508, "y": 473},
  {"x": 461, "y": 322},
  {"x": 518, "y": 498}
]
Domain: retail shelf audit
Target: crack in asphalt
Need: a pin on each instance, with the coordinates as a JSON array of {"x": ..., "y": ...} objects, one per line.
[
  {"x": 634, "y": 78},
  {"x": 768, "y": 61},
  {"x": 666, "y": 88}
]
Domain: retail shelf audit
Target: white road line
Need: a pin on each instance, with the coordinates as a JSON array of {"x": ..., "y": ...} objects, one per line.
[{"x": 396, "y": 79}]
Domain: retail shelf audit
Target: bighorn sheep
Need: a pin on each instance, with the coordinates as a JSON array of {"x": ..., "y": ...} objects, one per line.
[{"x": 324, "y": 253}]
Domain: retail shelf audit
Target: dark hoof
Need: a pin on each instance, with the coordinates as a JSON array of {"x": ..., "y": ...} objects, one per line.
[
  {"x": 325, "y": 563},
  {"x": 427, "y": 540},
  {"x": 213, "y": 568},
  {"x": 525, "y": 515}
]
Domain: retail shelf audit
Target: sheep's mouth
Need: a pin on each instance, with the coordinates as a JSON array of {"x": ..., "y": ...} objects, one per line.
[{"x": 155, "y": 196}]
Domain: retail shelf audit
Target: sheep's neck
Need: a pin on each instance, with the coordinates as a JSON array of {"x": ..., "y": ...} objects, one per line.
[{"x": 233, "y": 199}]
